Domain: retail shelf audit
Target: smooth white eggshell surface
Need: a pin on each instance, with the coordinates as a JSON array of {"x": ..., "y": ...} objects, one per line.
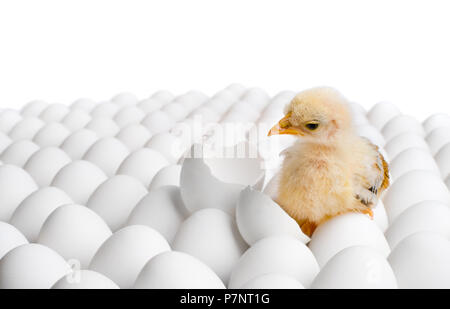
[
  {"x": 273, "y": 281},
  {"x": 10, "y": 238},
  {"x": 169, "y": 175},
  {"x": 438, "y": 138},
  {"x": 177, "y": 270},
  {"x": 76, "y": 120},
  {"x": 103, "y": 127},
  {"x": 282, "y": 255},
  {"x": 412, "y": 159},
  {"x": 401, "y": 124},
  {"x": 33, "y": 108},
  {"x": 338, "y": 233},
  {"x": 18, "y": 152},
  {"x": 134, "y": 136},
  {"x": 76, "y": 144},
  {"x": 434, "y": 121},
  {"x": 443, "y": 160},
  {"x": 54, "y": 112},
  {"x": 26, "y": 128},
  {"x": 123, "y": 255},
  {"x": 84, "y": 279},
  {"x": 31, "y": 266},
  {"x": 52, "y": 134},
  {"x": 381, "y": 113},
  {"x": 211, "y": 235},
  {"x": 404, "y": 141}
]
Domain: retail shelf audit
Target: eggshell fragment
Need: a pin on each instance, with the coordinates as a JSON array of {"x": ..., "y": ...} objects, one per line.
[
  {"x": 421, "y": 261},
  {"x": 79, "y": 179},
  {"x": 412, "y": 159},
  {"x": 31, "y": 214},
  {"x": 18, "y": 152},
  {"x": 31, "y": 266},
  {"x": 281, "y": 255},
  {"x": 84, "y": 279},
  {"x": 273, "y": 281},
  {"x": 412, "y": 188},
  {"x": 107, "y": 153},
  {"x": 15, "y": 185},
  {"x": 45, "y": 163},
  {"x": 177, "y": 270},
  {"x": 169, "y": 175},
  {"x": 357, "y": 267},
  {"x": 114, "y": 199},
  {"x": 10, "y": 239},
  {"x": 338, "y": 233},
  {"x": 76, "y": 144},
  {"x": 424, "y": 216},
  {"x": 123, "y": 255},
  {"x": 257, "y": 217}
]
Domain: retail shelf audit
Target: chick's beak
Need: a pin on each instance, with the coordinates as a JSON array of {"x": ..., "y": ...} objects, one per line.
[{"x": 284, "y": 127}]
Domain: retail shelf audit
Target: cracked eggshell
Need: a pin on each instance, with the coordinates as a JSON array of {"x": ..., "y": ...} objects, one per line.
[
  {"x": 412, "y": 188},
  {"x": 84, "y": 279},
  {"x": 381, "y": 113},
  {"x": 107, "y": 153},
  {"x": 357, "y": 267},
  {"x": 273, "y": 281},
  {"x": 134, "y": 136},
  {"x": 437, "y": 139},
  {"x": 403, "y": 142},
  {"x": 19, "y": 152},
  {"x": 412, "y": 159},
  {"x": 31, "y": 266},
  {"x": 15, "y": 185},
  {"x": 211, "y": 235},
  {"x": 425, "y": 216},
  {"x": 114, "y": 199},
  {"x": 177, "y": 270},
  {"x": 143, "y": 164},
  {"x": 52, "y": 134},
  {"x": 421, "y": 261},
  {"x": 169, "y": 175},
  {"x": 76, "y": 144},
  {"x": 26, "y": 128},
  {"x": 11, "y": 238},
  {"x": 161, "y": 209},
  {"x": 257, "y": 217},
  {"x": 31, "y": 214},
  {"x": 79, "y": 179},
  {"x": 401, "y": 124},
  {"x": 75, "y": 232},
  {"x": 45, "y": 163},
  {"x": 343, "y": 231},
  {"x": 123, "y": 255},
  {"x": 281, "y": 255}
]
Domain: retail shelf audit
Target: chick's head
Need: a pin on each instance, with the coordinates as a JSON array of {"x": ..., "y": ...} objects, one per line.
[{"x": 316, "y": 114}]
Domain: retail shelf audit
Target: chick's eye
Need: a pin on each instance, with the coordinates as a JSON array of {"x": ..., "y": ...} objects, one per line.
[{"x": 312, "y": 126}]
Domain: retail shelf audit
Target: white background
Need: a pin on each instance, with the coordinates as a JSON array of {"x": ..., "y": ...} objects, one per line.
[{"x": 392, "y": 50}]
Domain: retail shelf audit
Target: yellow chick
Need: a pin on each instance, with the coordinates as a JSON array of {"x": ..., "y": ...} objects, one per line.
[{"x": 329, "y": 170}]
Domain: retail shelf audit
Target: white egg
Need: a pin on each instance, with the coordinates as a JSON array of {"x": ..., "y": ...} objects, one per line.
[
  {"x": 107, "y": 153},
  {"x": 380, "y": 216},
  {"x": 31, "y": 266},
  {"x": 54, "y": 113},
  {"x": 123, "y": 255},
  {"x": 372, "y": 134},
  {"x": 161, "y": 209},
  {"x": 412, "y": 159},
  {"x": 124, "y": 99},
  {"x": 424, "y": 216},
  {"x": 421, "y": 261},
  {"x": 33, "y": 108},
  {"x": 169, "y": 175},
  {"x": 79, "y": 179},
  {"x": 45, "y": 163},
  {"x": 404, "y": 141},
  {"x": 105, "y": 109},
  {"x": 83, "y": 104},
  {"x": 75, "y": 232},
  {"x": 168, "y": 145},
  {"x": 436, "y": 121},
  {"x": 176, "y": 111},
  {"x": 114, "y": 199},
  {"x": 412, "y": 188},
  {"x": 220, "y": 248},
  {"x": 258, "y": 217},
  {"x": 129, "y": 115},
  {"x": 26, "y": 129},
  {"x": 157, "y": 122},
  {"x": 19, "y": 152},
  {"x": 236, "y": 89},
  {"x": 76, "y": 120},
  {"x": 438, "y": 138},
  {"x": 357, "y": 267},
  {"x": 143, "y": 164},
  {"x": 150, "y": 105},
  {"x": 401, "y": 124},
  {"x": 78, "y": 143},
  {"x": 52, "y": 134},
  {"x": 8, "y": 119},
  {"x": 163, "y": 95},
  {"x": 338, "y": 233},
  {"x": 273, "y": 281},
  {"x": 84, "y": 279},
  {"x": 31, "y": 214},
  {"x": 282, "y": 255},
  {"x": 443, "y": 160},
  {"x": 15, "y": 185},
  {"x": 134, "y": 136},
  {"x": 177, "y": 270},
  {"x": 5, "y": 141},
  {"x": 381, "y": 113},
  {"x": 103, "y": 127},
  {"x": 11, "y": 238}
]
